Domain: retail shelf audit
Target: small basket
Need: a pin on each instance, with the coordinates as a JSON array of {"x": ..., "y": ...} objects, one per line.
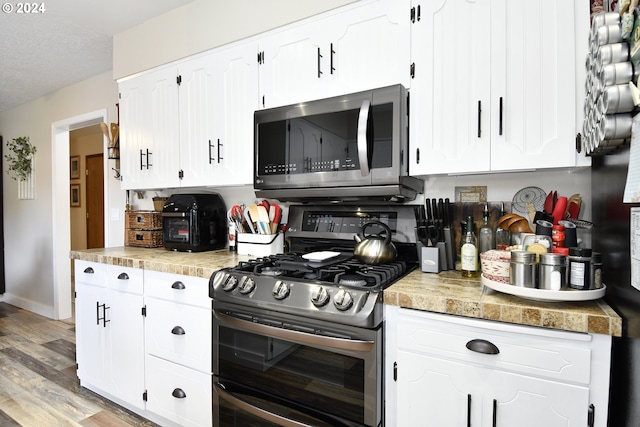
[
  {"x": 144, "y": 220},
  {"x": 158, "y": 203},
  {"x": 144, "y": 238}
]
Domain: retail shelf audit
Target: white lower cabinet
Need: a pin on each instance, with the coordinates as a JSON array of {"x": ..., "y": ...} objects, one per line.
[
  {"x": 177, "y": 393},
  {"x": 143, "y": 340},
  {"x": 445, "y": 370},
  {"x": 109, "y": 330}
]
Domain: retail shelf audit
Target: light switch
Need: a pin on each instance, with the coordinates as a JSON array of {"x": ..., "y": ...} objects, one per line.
[{"x": 115, "y": 214}]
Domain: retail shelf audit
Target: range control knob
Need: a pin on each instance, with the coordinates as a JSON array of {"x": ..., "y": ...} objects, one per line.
[
  {"x": 280, "y": 290},
  {"x": 343, "y": 300},
  {"x": 230, "y": 284},
  {"x": 247, "y": 286},
  {"x": 319, "y": 296}
]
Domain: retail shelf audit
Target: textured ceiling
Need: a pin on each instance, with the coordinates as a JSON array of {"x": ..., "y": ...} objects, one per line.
[{"x": 70, "y": 41}]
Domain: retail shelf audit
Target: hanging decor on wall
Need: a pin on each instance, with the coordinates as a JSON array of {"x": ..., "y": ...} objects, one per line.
[
  {"x": 74, "y": 167},
  {"x": 20, "y": 158},
  {"x": 75, "y": 195}
]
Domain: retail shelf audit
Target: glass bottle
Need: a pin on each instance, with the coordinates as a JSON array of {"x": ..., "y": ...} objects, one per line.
[
  {"x": 469, "y": 250},
  {"x": 486, "y": 232},
  {"x": 503, "y": 236}
]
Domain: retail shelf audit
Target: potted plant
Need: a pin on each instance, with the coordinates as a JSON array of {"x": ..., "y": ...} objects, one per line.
[{"x": 21, "y": 152}]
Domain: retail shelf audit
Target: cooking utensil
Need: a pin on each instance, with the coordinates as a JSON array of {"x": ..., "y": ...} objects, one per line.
[
  {"x": 263, "y": 219},
  {"x": 526, "y": 195},
  {"x": 375, "y": 248},
  {"x": 247, "y": 216},
  {"x": 115, "y": 133},
  {"x": 105, "y": 132}
]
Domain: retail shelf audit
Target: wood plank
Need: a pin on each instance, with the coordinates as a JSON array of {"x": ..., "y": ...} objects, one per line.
[{"x": 104, "y": 419}]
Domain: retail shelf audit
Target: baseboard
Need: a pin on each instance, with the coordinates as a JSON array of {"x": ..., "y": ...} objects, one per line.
[{"x": 41, "y": 309}]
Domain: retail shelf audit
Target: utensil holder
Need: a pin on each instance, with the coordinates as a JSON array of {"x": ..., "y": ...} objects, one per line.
[{"x": 260, "y": 245}]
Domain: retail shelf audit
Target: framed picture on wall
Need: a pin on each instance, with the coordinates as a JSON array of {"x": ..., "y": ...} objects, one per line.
[
  {"x": 75, "y": 195},
  {"x": 74, "y": 167}
]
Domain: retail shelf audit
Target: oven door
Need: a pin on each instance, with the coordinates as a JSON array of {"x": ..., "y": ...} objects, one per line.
[{"x": 278, "y": 370}]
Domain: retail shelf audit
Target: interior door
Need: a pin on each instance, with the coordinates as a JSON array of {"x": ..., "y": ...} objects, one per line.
[{"x": 95, "y": 201}]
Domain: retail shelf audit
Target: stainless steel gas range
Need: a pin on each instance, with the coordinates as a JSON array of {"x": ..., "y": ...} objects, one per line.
[{"x": 298, "y": 337}]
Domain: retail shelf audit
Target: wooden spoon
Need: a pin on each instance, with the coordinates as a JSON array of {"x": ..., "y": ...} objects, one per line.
[
  {"x": 115, "y": 133},
  {"x": 105, "y": 132}
]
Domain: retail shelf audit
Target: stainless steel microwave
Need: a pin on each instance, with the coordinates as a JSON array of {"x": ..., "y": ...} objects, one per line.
[{"x": 350, "y": 147}]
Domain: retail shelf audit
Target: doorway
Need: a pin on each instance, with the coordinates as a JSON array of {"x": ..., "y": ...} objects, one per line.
[{"x": 95, "y": 200}]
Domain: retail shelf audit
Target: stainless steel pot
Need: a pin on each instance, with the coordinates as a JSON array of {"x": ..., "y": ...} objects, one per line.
[{"x": 375, "y": 248}]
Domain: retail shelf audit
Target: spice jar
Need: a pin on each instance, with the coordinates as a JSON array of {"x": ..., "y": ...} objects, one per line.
[
  {"x": 596, "y": 271},
  {"x": 580, "y": 268},
  {"x": 523, "y": 269},
  {"x": 552, "y": 271},
  {"x": 557, "y": 236}
]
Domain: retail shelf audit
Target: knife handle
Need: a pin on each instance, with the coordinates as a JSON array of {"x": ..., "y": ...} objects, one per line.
[{"x": 450, "y": 248}]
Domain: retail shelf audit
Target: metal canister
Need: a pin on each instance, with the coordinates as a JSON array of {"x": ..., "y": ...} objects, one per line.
[
  {"x": 552, "y": 271},
  {"x": 523, "y": 269}
]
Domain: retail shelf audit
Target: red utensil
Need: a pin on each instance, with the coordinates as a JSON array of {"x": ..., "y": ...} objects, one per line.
[{"x": 559, "y": 209}]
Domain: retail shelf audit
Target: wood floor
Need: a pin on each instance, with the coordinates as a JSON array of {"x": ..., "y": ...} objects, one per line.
[{"x": 38, "y": 382}]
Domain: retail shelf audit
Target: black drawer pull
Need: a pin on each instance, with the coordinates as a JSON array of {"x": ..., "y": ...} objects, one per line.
[
  {"x": 89, "y": 270},
  {"x": 482, "y": 346},
  {"x": 123, "y": 276},
  {"x": 177, "y": 330},
  {"x": 178, "y": 285},
  {"x": 178, "y": 393}
]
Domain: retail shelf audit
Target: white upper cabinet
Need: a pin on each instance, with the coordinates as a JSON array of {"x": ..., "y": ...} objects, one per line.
[
  {"x": 191, "y": 124},
  {"x": 494, "y": 86},
  {"x": 358, "y": 47},
  {"x": 533, "y": 74},
  {"x": 218, "y": 95},
  {"x": 149, "y": 130},
  {"x": 450, "y": 93}
]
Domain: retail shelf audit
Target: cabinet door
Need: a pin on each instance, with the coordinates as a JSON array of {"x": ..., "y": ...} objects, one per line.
[
  {"x": 290, "y": 68},
  {"x": 517, "y": 400},
  {"x": 149, "y": 133},
  {"x": 437, "y": 392},
  {"x": 450, "y": 93},
  {"x": 197, "y": 121},
  {"x": 533, "y": 75},
  {"x": 90, "y": 334},
  {"x": 124, "y": 350},
  {"x": 368, "y": 47},
  {"x": 236, "y": 99}
]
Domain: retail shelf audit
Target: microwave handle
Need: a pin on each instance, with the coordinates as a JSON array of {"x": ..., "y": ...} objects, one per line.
[{"x": 362, "y": 143}]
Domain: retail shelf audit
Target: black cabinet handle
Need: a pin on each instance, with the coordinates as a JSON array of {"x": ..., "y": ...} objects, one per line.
[
  {"x": 177, "y": 330},
  {"x": 482, "y": 346},
  {"x": 104, "y": 314},
  {"x": 146, "y": 155},
  {"x": 468, "y": 410},
  {"x": 332, "y": 53},
  {"x": 89, "y": 270},
  {"x": 178, "y": 285},
  {"x": 479, "y": 117},
  {"x": 141, "y": 164},
  {"x": 210, "y": 158},
  {"x": 123, "y": 276},
  {"x": 495, "y": 413},
  {"x": 219, "y": 145},
  {"x": 319, "y": 56},
  {"x": 178, "y": 393},
  {"x": 500, "y": 130}
]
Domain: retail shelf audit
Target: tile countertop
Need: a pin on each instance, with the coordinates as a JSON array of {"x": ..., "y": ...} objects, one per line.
[
  {"x": 449, "y": 293},
  {"x": 446, "y": 292}
]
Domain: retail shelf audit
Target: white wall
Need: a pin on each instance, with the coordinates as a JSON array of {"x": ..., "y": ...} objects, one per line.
[
  {"x": 202, "y": 25},
  {"x": 28, "y": 226}
]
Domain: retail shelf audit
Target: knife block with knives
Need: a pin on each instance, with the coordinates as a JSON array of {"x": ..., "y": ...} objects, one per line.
[{"x": 439, "y": 226}]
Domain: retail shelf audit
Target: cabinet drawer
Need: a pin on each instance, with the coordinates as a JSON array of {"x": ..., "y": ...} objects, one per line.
[
  {"x": 90, "y": 273},
  {"x": 125, "y": 279},
  {"x": 533, "y": 351},
  {"x": 167, "y": 382},
  {"x": 180, "y": 333},
  {"x": 178, "y": 288}
]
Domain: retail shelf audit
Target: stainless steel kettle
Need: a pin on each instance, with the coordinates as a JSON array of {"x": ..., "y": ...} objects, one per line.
[{"x": 375, "y": 248}]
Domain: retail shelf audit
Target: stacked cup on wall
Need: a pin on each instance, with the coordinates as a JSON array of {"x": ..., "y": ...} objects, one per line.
[{"x": 609, "y": 104}]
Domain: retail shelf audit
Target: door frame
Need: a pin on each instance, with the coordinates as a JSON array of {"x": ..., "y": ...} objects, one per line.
[{"x": 61, "y": 216}]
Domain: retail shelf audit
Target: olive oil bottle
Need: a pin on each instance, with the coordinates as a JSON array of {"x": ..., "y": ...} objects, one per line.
[{"x": 469, "y": 250}]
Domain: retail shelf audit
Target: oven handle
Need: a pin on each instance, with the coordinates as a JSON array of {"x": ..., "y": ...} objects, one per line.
[
  {"x": 258, "y": 412},
  {"x": 362, "y": 143},
  {"x": 299, "y": 337}
]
